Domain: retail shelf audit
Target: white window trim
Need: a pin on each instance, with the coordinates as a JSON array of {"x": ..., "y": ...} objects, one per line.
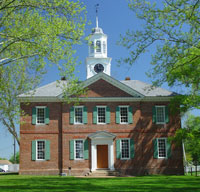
[
  {"x": 37, "y": 150},
  {"x": 75, "y": 149},
  {"x": 160, "y": 106},
  {"x": 101, "y": 106},
  {"x": 95, "y": 46},
  {"x": 128, "y": 147},
  {"x": 40, "y": 107},
  {"x": 165, "y": 148},
  {"x": 76, "y": 123},
  {"x": 120, "y": 106}
]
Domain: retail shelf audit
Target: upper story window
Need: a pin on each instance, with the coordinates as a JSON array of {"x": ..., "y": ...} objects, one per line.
[
  {"x": 40, "y": 115},
  {"x": 78, "y": 115},
  {"x": 124, "y": 114},
  {"x": 160, "y": 114},
  {"x": 101, "y": 115},
  {"x": 98, "y": 46}
]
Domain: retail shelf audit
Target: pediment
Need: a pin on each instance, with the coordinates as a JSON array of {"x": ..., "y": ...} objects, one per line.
[{"x": 101, "y": 135}]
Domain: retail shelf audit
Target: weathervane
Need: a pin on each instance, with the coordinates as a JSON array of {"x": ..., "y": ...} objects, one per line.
[{"x": 97, "y": 7}]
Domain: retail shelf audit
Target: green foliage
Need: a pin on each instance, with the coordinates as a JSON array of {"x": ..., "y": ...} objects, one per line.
[
  {"x": 3, "y": 158},
  {"x": 190, "y": 135},
  {"x": 12, "y": 159},
  {"x": 173, "y": 26},
  {"x": 33, "y": 34}
]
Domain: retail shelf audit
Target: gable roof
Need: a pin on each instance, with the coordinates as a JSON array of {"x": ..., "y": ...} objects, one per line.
[
  {"x": 5, "y": 162},
  {"x": 137, "y": 89}
]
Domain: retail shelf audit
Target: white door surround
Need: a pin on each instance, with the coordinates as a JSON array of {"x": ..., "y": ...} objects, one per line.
[{"x": 102, "y": 138}]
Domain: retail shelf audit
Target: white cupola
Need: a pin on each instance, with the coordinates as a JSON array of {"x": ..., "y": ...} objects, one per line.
[{"x": 97, "y": 61}]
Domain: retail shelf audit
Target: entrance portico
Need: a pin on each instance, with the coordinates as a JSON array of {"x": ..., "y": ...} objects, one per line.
[{"x": 99, "y": 139}]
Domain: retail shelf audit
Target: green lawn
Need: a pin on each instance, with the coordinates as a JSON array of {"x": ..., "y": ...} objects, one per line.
[{"x": 18, "y": 183}]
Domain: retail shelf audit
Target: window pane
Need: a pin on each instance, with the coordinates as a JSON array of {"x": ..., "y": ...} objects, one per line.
[
  {"x": 125, "y": 148},
  {"x": 161, "y": 147},
  {"x": 124, "y": 114},
  {"x": 78, "y": 115},
  {"x": 101, "y": 114},
  {"x": 41, "y": 150},
  {"x": 98, "y": 46},
  {"x": 104, "y": 47},
  {"x": 160, "y": 113},
  {"x": 79, "y": 149},
  {"x": 40, "y": 115}
]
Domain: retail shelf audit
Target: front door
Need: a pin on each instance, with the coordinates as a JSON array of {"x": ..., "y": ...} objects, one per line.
[{"x": 102, "y": 156}]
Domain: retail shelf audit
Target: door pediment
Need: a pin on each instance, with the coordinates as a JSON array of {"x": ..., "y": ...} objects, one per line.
[{"x": 101, "y": 135}]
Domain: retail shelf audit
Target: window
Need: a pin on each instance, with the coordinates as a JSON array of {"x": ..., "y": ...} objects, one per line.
[
  {"x": 125, "y": 148},
  {"x": 123, "y": 114},
  {"x": 40, "y": 117},
  {"x": 78, "y": 149},
  {"x": 98, "y": 46},
  {"x": 160, "y": 114},
  {"x": 101, "y": 115},
  {"x": 40, "y": 150},
  {"x": 78, "y": 115},
  {"x": 92, "y": 47},
  {"x": 104, "y": 47},
  {"x": 162, "y": 148}
]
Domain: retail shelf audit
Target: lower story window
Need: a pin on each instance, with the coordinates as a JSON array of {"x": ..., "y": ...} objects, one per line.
[
  {"x": 125, "y": 148},
  {"x": 162, "y": 148},
  {"x": 40, "y": 150},
  {"x": 79, "y": 149}
]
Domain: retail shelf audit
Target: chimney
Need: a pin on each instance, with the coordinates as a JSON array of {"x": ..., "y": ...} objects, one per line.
[
  {"x": 127, "y": 78},
  {"x": 63, "y": 78}
]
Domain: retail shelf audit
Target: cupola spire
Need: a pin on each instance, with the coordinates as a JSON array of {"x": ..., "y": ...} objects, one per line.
[{"x": 97, "y": 22}]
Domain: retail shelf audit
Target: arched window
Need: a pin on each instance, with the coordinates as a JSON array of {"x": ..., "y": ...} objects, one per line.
[{"x": 98, "y": 46}]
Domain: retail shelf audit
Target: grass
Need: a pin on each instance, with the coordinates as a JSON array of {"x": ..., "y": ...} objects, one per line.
[{"x": 19, "y": 183}]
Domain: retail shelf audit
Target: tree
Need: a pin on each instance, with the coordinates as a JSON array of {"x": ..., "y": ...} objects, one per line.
[
  {"x": 173, "y": 26},
  {"x": 190, "y": 135},
  {"x": 12, "y": 159},
  {"x": 33, "y": 34}
]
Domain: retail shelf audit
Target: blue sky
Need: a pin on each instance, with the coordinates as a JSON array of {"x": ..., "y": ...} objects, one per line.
[{"x": 114, "y": 18}]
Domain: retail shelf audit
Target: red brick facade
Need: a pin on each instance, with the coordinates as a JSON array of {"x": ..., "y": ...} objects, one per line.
[{"x": 59, "y": 132}]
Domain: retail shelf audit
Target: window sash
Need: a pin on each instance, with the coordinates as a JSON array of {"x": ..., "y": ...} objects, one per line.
[
  {"x": 98, "y": 46},
  {"x": 125, "y": 148},
  {"x": 79, "y": 149},
  {"x": 78, "y": 115},
  {"x": 101, "y": 115},
  {"x": 40, "y": 115},
  {"x": 40, "y": 150},
  {"x": 123, "y": 114},
  {"x": 162, "y": 148},
  {"x": 160, "y": 114}
]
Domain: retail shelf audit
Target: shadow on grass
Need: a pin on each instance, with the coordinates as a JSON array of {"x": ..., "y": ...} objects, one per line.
[{"x": 10, "y": 183}]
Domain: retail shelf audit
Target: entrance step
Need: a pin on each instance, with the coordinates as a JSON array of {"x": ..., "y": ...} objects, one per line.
[{"x": 103, "y": 173}]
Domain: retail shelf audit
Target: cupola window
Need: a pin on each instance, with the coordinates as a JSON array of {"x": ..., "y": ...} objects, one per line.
[
  {"x": 92, "y": 47},
  {"x": 98, "y": 46}
]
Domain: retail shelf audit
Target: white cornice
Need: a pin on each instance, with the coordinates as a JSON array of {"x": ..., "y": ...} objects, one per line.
[{"x": 95, "y": 99}]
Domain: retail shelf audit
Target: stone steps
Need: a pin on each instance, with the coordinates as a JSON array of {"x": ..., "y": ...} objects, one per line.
[{"x": 103, "y": 173}]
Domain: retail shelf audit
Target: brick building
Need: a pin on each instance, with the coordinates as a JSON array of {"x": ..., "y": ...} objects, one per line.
[{"x": 119, "y": 125}]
